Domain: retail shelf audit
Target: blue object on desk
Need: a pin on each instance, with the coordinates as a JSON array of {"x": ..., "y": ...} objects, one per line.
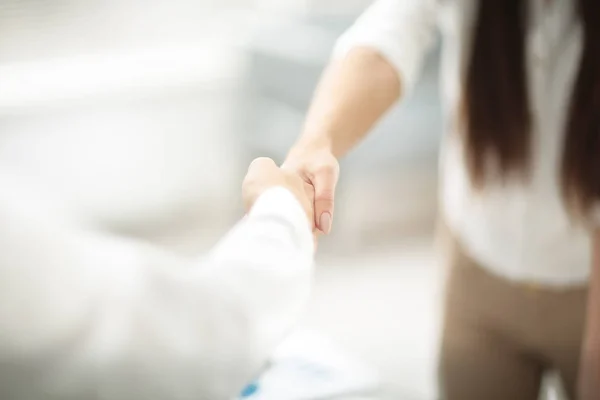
[{"x": 250, "y": 390}]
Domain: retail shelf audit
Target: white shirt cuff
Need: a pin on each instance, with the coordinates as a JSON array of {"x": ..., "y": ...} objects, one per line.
[{"x": 281, "y": 203}]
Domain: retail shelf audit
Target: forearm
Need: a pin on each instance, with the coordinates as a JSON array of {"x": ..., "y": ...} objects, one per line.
[
  {"x": 352, "y": 96},
  {"x": 590, "y": 358}
]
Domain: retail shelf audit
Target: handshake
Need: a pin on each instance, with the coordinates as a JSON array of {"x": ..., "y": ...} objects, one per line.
[{"x": 311, "y": 180}]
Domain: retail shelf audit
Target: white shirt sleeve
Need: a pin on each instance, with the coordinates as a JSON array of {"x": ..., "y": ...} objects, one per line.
[
  {"x": 402, "y": 31},
  {"x": 84, "y": 315}
]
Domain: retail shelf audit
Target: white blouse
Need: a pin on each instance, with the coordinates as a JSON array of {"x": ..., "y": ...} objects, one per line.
[{"x": 518, "y": 231}]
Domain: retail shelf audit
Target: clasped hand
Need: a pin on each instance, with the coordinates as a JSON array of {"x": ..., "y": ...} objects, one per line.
[{"x": 264, "y": 174}]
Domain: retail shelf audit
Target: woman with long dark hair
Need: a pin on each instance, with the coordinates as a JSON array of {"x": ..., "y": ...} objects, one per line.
[{"x": 520, "y": 172}]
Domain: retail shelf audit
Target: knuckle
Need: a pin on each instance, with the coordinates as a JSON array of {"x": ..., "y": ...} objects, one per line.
[
  {"x": 326, "y": 195},
  {"x": 328, "y": 166},
  {"x": 260, "y": 162}
]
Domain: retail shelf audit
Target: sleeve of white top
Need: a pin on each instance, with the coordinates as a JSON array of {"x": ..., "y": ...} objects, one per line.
[
  {"x": 402, "y": 31},
  {"x": 112, "y": 318}
]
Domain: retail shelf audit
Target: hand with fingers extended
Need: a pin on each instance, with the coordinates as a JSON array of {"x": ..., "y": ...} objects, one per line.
[
  {"x": 319, "y": 169},
  {"x": 264, "y": 174}
]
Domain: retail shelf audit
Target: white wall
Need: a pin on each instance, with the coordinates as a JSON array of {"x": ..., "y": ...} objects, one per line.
[
  {"x": 124, "y": 164},
  {"x": 129, "y": 139},
  {"x": 312, "y": 7},
  {"x": 129, "y": 106}
]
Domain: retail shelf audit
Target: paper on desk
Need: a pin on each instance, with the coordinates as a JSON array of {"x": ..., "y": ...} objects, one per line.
[{"x": 310, "y": 367}]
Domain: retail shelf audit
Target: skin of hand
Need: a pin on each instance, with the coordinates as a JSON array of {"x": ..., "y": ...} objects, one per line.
[
  {"x": 351, "y": 97},
  {"x": 264, "y": 174},
  {"x": 319, "y": 169}
]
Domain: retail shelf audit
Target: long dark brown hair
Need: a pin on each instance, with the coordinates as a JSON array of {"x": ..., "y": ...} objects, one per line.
[{"x": 497, "y": 107}]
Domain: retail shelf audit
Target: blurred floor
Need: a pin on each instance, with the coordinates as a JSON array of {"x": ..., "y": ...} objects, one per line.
[{"x": 382, "y": 306}]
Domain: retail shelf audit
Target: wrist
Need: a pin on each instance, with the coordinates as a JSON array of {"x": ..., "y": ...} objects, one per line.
[
  {"x": 313, "y": 143},
  {"x": 285, "y": 200}
]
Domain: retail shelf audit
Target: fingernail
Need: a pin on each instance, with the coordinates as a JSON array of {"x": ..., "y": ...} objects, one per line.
[{"x": 325, "y": 222}]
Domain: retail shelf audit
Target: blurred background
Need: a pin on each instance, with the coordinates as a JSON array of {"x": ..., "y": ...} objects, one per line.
[{"x": 144, "y": 115}]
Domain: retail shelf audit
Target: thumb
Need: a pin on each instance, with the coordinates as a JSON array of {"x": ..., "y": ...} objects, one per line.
[{"x": 324, "y": 183}]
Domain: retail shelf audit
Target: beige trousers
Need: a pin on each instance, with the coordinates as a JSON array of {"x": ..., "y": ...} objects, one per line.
[{"x": 500, "y": 337}]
